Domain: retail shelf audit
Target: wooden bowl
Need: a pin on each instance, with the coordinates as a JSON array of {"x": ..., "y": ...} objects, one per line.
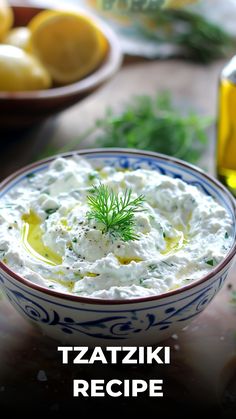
[{"x": 22, "y": 109}]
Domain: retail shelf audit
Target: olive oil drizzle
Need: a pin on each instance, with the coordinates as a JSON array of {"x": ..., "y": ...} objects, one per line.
[
  {"x": 33, "y": 242},
  {"x": 174, "y": 243}
]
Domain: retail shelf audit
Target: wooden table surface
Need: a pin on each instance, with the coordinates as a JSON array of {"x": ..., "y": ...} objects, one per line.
[{"x": 203, "y": 367}]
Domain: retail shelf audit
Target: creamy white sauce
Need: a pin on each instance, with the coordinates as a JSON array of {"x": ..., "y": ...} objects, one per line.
[{"x": 46, "y": 236}]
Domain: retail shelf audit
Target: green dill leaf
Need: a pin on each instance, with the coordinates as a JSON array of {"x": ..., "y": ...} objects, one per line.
[
  {"x": 152, "y": 267},
  {"x": 210, "y": 262},
  {"x": 30, "y": 175},
  {"x": 2, "y": 253},
  {"x": 92, "y": 176},
  {"x": 167, "y": 263},
  {"x": 226, "y": 235},
  {"x": 50, "y": 211},
  {"x": 115, "y": 212}
]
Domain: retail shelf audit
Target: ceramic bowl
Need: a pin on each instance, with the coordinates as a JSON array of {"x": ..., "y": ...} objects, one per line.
[
  {"x": 22, "y": 109},
  {"x": 87, "y": 321}
]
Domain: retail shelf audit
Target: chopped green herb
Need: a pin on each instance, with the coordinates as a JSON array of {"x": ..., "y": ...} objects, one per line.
[
  {"x": 226, "y": 235},
  {"x": 164, "y": 234},
  {"x": 7, "y": 206},
  {"x": 115, "y": 211},
  {"x": 152, "y": 267},
  {"x": 46, "y": 255},
  {"x": 142, "y": 281},
  {"x": 210, "y": 262},
  {"x": 50, "y": 211},
  {"x": 74, "y": 240},
  {"x": 167, "y": 263},
  {"x": 30, "y": 175},
  {"x": 51, "y": 286},
  {"x": 93, "y": 176}
]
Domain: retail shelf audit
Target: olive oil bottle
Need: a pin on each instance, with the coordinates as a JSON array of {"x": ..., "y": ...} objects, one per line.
[{"x": 226, "y": 132}]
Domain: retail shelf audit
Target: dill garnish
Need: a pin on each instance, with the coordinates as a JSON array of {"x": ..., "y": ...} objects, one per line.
[{"x": 115, "y": 212}]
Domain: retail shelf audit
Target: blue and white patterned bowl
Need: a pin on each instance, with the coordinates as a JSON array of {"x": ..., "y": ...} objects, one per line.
[{"x": 87, "y": 321}]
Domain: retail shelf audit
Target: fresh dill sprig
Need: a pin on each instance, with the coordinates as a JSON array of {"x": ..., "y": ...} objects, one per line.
[
  {"x": 114, "y": 211},
  {"x": 196, "y": 37}
]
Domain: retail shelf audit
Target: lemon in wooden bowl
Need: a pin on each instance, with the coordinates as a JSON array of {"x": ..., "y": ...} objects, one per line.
[
  {"x": 20, "y": 109},
  {"x": 69, "y": 45},
  {"x": 6, "y": 18},
  {"x": 21, "y": 71},
  {"x": 18, "y": 37}
]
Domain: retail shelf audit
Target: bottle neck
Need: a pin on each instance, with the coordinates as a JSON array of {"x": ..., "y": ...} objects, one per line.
[{"x": 229, "y": 72}]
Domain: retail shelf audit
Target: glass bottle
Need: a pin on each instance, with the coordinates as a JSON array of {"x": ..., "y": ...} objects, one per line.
[{"x": 226, "y": 132}]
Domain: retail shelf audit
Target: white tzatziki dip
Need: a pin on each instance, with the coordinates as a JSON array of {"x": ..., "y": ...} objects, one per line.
[{"x": 48, "y": 237}]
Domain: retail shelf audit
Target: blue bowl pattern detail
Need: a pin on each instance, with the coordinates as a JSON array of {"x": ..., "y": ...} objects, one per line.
[{"x": 115, "y": 324}]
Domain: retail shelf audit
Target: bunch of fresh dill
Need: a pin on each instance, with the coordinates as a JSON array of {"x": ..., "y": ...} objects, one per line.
[
  {"x": 150, "y": 124},
  {"x": 197, "y": 37},
  {"x": 156, "y": 125}
]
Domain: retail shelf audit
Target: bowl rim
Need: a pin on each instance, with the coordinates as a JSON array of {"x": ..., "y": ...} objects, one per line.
[
  {"x": 108, "y": 67},
  {"x": 105, "y": 302}
]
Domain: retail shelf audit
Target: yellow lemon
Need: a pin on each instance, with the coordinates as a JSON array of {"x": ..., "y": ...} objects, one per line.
[
  {"x": 19, "y": 71},
  {"x": 18, "y": 37},
  {"x": 6, "y": 18},
  {"x": 177, "y": 4},
  {"x": 68, "y": 44}
]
